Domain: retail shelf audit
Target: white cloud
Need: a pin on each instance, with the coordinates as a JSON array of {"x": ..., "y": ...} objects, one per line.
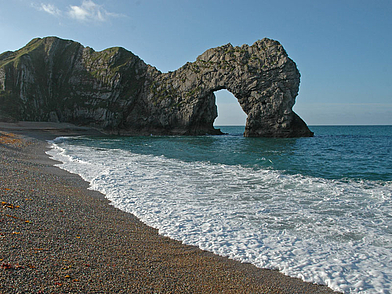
[
  {"x": 50, "y": 8},
  {"x": 89, "y": 11}
]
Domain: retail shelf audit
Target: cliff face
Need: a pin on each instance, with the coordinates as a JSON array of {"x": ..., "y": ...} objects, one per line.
[{"x": 52, "y": 79}]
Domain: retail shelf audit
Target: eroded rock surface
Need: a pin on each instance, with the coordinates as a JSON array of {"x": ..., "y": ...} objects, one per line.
[{"x": 52, "y": 79}]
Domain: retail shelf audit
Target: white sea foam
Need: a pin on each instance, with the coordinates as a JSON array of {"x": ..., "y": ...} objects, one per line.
[{"x": 332, "y": 232}]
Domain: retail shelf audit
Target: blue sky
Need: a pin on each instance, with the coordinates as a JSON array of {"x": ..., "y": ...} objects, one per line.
[{"x": 342, "y": 48}]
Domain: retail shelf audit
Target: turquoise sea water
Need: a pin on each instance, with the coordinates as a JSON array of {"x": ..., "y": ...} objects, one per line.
[{"x": 316, "y": 208}]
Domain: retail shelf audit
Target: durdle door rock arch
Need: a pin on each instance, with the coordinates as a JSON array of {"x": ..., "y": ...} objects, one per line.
[{"x": 52, "y": 79}]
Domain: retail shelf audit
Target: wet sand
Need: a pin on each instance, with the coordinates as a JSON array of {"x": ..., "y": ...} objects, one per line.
[{"x": 56, "y": 236}]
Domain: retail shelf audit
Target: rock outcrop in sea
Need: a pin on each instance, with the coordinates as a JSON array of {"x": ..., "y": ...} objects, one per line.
[{"x": 52, "y": 79}]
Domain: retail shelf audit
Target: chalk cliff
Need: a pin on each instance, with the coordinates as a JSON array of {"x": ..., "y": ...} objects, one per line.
[{"x": 52, "y": 79}]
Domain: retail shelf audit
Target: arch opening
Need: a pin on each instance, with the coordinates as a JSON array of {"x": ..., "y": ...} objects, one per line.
[{"x": 230, "y": 112}]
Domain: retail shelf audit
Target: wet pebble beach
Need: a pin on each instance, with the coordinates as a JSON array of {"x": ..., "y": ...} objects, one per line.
[{"x": 56, "y": 236}]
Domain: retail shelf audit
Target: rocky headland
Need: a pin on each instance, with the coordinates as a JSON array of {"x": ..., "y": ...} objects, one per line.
[{"x": 58, "y": 80}]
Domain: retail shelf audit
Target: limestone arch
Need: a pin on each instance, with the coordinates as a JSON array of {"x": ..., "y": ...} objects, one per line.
[
  {"x": 262, "y": 77},
  {"x": 118, "y": 92}
]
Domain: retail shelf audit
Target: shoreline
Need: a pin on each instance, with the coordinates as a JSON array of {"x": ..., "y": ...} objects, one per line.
[{"x": 57, "y": 236}]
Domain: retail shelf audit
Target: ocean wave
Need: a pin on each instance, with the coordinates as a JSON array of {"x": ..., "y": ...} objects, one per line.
[{"x": 333, "y": 232}]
